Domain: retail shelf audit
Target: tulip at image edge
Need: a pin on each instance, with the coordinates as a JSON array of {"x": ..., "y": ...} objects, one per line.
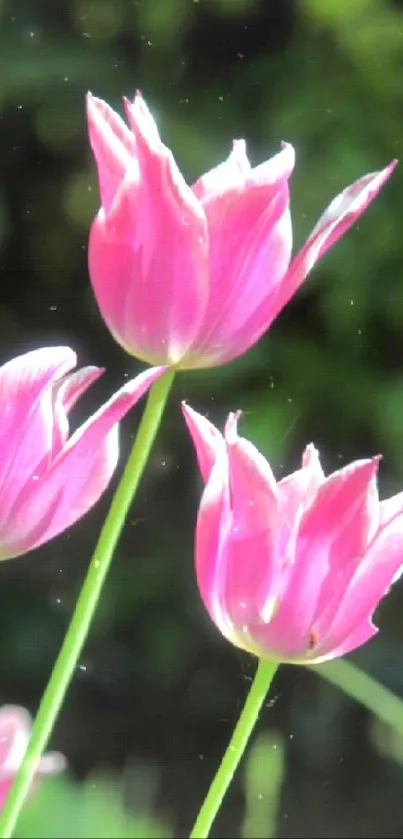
[
  {"x": 291, "y": 570},
  {"x": 48, "y": 479}
]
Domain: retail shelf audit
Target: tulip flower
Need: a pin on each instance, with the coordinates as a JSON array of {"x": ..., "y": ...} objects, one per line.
[
  {"x": 291, "y": 570},
  {"x": 193, "y": 276},
  {"x": 48, "y": 480},
  {"x": 15, "y": 731}
]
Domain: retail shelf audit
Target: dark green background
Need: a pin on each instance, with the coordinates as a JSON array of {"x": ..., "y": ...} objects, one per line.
[{"x": 158, "y": 687}]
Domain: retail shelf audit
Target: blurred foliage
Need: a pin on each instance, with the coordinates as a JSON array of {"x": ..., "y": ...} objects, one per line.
[
  {"x": 157, "y": 685},
  {"x": 62, "y": 808},
  {"x": 263, "y": 778}
]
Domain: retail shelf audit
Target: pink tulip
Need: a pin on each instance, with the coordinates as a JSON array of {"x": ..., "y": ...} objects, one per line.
[
  {"x": 193, "y": 276},
  {"x": 48, "y": 480},
  {"x": 291, "y": 571},
  {"x": 15, "y": 731}
]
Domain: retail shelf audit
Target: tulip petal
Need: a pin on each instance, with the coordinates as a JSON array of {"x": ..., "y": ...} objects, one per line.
[
  {"x": 113, "y": 146},
  {"x": 78, "y": 476},
  {"x": 67, "y": 392},
  {"x": 74, "y": 385},
  {"x": 250, "y": 239},
  {"x": 360, "y": 636},
  {"x": 356, "y": 518},
  {"x": 39, "y": 438},
  {"x": 251, "y": 569},
  {"x": 170, "y": 247},
  {"x": 378, "y": 570},
  {"x": 25, "y": 399},
  {"x": 333, "y": 536},
  {"x": 213, "y": 524},
  {"x": 223, "y": 177},
  {"x": 286, "y": 630},
  {"x": 341, "y": 214},
  {"x": 148, "y": 255},
  {"x": 390, "y": 508},
  {"x": 311, "y": 461},
  {"x": 296, "y": 493},
  {"x": 206, "y": 438},
  {"x": 214, "y": 517},
  {"x": 342, "y": 514}
]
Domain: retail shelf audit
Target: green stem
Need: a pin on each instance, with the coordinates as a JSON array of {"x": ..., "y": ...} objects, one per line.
[
  {"x": 235, "y": 749},
  {"x": 364, "y": 689},
  {"x": 86, "y": 604}
]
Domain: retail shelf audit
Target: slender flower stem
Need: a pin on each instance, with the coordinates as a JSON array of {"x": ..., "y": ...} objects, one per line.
[
  {"x": 364, "y": 689},
  {"x": 87, "y": 601},
  {"x": 235, "y": 749},
  {"x": 341, "y": 673}
]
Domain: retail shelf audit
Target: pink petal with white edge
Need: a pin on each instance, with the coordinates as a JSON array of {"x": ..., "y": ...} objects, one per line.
[
  {"x": 224, "y": 176},
  {"x": 378, "y": 570},
  {"x": 110, "y": 259},
  {"x": 235, "y": 175},
  {"x": 175, "y": 241},
  {"x": 324, "y": 562},
  {"x": 153, "y": 237},
  {"x": 65, "y": 397},
  {"x": 73, "y": 386},
  {"x": 360, "y": 636},
  {"x": 41, "y": 438},
  {"x": 113, "y": 145},
  {"x": 296, "y": 493},
  {"x": 250, "y": 238},
  {"x": 24, "y": 382},
  {"x": 213, "y": 524},
  {"x": 206, "y": 438},
  {"x": 390, "y": 508},
  {"x": 78, "y": 476},
  {"x": 251, "y": 570},
  {"x": 281, "y": 626},
  {"x": 341, "y": 214},
  {"x": 356, "y": 518},
  {"x": 343, "y": 511},
  {"x": 311, "y": 461}
]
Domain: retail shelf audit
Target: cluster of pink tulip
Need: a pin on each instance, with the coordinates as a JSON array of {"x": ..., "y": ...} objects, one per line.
[{"x": 186, "y": 278}]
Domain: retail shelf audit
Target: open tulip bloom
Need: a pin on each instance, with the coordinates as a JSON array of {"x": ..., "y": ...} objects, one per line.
[
  {"x": 48, "y": 480},
  {"x": 193, "y": 276},
  {"x": 291, "y": 570}
]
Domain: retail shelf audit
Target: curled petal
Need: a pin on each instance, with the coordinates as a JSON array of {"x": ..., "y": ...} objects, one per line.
[
  {"x": 27, "y": 426},
  {"x": 78, "y": 476},
  {"x": 49, "y": 480},
  {"x": 340, "y": 215}
]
